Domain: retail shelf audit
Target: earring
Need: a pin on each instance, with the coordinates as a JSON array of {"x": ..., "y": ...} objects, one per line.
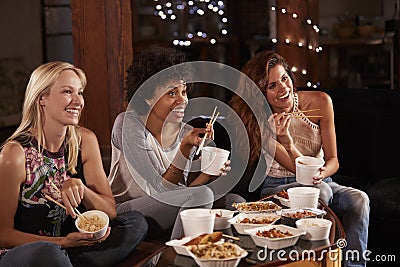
[{"x": 41, "y": 101}]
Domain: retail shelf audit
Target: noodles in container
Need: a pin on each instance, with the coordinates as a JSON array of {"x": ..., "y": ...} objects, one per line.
[
  {"x": 94, "y": 222},
  {"x": 217, "y": 255}
]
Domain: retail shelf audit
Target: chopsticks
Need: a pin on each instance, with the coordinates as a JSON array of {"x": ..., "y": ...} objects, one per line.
[
  {"x": 306, "y": 116},
  {"x": 296, "y": 114},
  {"x": 303, "y": 111},
  {"x": 61, "y": 205},
  {"x": 231, "y": 237},
  {"x": 210, "y": 123},
  {"x": 55, "y": 201}
]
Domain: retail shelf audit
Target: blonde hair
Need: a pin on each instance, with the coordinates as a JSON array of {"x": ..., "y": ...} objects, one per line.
[{"x": 40, "y": 82}]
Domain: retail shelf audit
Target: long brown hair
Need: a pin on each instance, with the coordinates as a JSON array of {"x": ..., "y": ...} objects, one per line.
[{"x": 257, "y": 69}]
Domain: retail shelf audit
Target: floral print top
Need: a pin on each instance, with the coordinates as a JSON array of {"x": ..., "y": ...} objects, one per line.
[{"x": 35, "y": 214}]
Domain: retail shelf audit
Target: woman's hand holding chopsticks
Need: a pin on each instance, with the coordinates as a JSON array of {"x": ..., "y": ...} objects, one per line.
[
  {"x": 74, "y": 191},
  {"x": 282, "y": 120},
  {"x": 209, "y": 126}
]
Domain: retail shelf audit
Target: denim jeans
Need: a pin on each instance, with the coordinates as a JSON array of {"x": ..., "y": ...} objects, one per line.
[
  {"x": 349, "y": 204},
  {"x": 352, "y": 207},
  {"x": 42, "y": 253},
  {"x": 274, "y": 185},
  {"x": 127, "y": 231}
]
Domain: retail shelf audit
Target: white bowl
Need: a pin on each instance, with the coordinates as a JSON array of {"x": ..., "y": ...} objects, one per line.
[
  {"x": 99, "y": 221},
  {"x": 303, "y": 197},
  {"x": 306, "y": 168},
  {"x": 197, "y": 221},
  {"x": 242, "y": 226},
  {"x": 230, "y": 261},
  {"x": 221, "y": 218},
  {"x": 316, "y": 228},
  {"x": 277, "y": 242}
]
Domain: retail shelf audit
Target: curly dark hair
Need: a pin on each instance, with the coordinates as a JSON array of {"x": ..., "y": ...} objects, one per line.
[{"x": 146, "y": 67}]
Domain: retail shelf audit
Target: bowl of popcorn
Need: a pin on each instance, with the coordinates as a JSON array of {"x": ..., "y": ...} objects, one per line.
[{"x": 93, "y": 222}]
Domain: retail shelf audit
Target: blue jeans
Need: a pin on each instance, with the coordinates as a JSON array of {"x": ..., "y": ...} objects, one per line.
[
  {"x": 127, "y": 231},
  {"x": 349, "y": 204},
  {"x": 352, "y": 207},
  {"x": 274, "y": 185},
  {"x": 42, "y": 253}
]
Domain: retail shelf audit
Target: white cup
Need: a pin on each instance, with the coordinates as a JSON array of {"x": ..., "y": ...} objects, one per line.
[
  {"x": 213, "y": 159},
  {"x": 197, "y": 221},
  {"x": 306, "y": 168},
  {"x": 303, "y": 197}
]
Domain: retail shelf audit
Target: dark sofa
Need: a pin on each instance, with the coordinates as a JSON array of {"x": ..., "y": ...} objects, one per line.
[{"x": 368, "y": 151}]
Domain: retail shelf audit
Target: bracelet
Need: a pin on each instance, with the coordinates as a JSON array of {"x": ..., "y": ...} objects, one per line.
[{"x": 174, "y": 172}]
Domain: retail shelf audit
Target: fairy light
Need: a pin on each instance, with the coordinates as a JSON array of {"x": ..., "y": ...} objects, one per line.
[
  {"x": 167, "y": 9},
  {"x": 300, "y": 43}
]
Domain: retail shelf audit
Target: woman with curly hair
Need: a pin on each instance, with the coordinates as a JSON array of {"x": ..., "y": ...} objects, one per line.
[
  {"x": 49, "y": 155},
  {"x": 153, "y": 150}
]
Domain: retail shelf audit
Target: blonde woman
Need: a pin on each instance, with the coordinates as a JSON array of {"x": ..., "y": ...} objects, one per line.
[{"x": 50, "y": 155}]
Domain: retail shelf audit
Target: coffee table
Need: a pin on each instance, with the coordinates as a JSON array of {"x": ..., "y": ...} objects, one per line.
[{"x": 305, "y": 253}]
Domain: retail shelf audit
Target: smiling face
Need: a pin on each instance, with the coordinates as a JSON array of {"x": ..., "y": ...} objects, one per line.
[
  {"x": 279, "y": 90},
  {"x": 65, "y": 102},
  {"x": 170, "y": 103}
]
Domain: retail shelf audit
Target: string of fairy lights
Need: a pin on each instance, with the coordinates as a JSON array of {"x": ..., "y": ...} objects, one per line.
[
  {"x": 169, "y": 10},
  {"x": 302, "y": 43}
]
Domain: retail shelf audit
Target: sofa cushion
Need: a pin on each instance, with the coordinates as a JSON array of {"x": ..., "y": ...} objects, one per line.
[{"x": 385, "y": 199}]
